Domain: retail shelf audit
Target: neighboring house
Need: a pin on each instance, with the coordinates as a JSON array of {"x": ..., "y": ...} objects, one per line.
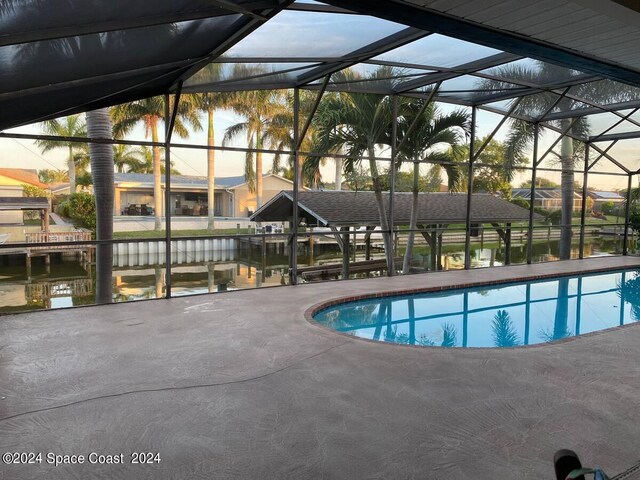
[
  {"x": 12, "y": 181},
  {"x": 547, "y": 198},
  {"x": 601, "y": 197},
  {"x": 134, "y": 194}
]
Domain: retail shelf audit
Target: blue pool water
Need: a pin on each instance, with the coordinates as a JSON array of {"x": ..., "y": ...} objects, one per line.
[{"x": 506, "y": 315}]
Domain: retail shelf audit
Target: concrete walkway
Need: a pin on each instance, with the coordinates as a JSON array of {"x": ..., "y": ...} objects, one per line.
[{"x": 240, "y": 386}]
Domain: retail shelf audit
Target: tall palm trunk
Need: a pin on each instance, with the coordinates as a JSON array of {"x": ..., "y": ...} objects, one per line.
[
  {"x": 338, "y": 181},
  {"x": 258, "y": 170},
  {"x": 413, "y": 220},
  {"x": 99, "y": 126},
  {"x": 382, "y": 211},
  {"x": 567, "y": 178},
  {"x": 157, "y": 176},
  {"x": 211, "y": 178},
  {"x": 71, "y": 166}
]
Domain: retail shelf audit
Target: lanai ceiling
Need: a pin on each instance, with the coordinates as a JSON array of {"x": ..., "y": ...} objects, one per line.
[{"x": 58, "y": 58}]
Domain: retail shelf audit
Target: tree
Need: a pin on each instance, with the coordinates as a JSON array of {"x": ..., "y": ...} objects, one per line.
[
  {"x": 150, "y": 112},
  {"x": 208, "y": 103},
  {"x": 533, "y": 106},
  {"x": 47, "y": 175},
  {"x": 358, "y": 123},
  {"x": 71, "y": 126},
  {"x": 126, "y": 158},
  {"x": 102, "y": 160},
  {"x": 259, "y": 109},
  {"x": 493, "y": 173},
  {"x": 433, "y": 132},
  {"x": 541, "y": 182}
]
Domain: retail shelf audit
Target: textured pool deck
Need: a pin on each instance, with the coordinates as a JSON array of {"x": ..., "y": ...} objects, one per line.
[{"x": 240, "y": 386}]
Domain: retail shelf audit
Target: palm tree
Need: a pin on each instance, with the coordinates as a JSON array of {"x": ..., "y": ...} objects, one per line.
[
  {"x": 71, "y": 126},
  {"x": 358, "y": 123},
  {"x": 150, "y": 112},
  {"x": 533, "y": 106},
  {"x": 432, "y": 131},
  {"x": 259, "y": 109},
  {"x": 208, "y": 103},
  {"x": 102, "y": 157},
  {"x": 126, "y": 159}
]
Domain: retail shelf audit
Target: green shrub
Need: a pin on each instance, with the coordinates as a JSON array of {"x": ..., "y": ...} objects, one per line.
[
  {"x": 521, "y": 202},
  {"x": 542, "y": 211},
  {"x": 634, "y": 219},
  {"x": 555, "y": 217},
  {"x": 33, "y": 191},
  {"x": 608, "y": 208},
  {"x": 81, "y": 209}
]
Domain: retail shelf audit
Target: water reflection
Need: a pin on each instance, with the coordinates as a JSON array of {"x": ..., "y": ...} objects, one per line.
[
  {"x": 139, "y": 273},
  {"x": 504, "y": 316}
]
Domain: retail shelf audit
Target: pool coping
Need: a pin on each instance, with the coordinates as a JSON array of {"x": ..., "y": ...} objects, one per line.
[{"x": 311, "y": 311}]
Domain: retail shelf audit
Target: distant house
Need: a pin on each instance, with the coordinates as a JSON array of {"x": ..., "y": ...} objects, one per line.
[
  {"x": 547, "y": 198},
  {"x": 601, "y": 197},
  {"x": 232, "y": 198},
  {"x": 12, "y": 182}
]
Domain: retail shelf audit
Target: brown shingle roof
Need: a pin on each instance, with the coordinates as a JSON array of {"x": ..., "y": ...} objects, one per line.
[
  {"x": 331, "y": 208},
  {"x": 23, "y": 175}
]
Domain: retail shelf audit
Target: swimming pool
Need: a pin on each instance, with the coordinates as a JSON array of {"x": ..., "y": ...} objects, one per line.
[{"x": 506, "y": 315}]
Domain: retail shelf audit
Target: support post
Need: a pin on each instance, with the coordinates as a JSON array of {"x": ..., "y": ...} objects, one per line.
[
  {"x": 583, "y": 210},
  {"x": 627, "y": 211},
  {"x": 168, "y": 126},
  {"x": 392, "y": 183},
  {"x": 467, "y": 242},
  {"x": 293, "y": 255},
  {"x": 507, "y": 245},
  {"x": 536, "y": 131},
  {"x": 345, "y": 253}
]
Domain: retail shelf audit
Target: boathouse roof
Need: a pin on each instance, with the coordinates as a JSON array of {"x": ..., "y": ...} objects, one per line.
[{"x": 348, "y": 208}]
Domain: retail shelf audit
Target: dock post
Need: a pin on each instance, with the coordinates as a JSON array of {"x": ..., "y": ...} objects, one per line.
[
  {"x": 345, "y": 253},
  {"x": 507, "y": 245},
  {"x": 28, "y": 266}
]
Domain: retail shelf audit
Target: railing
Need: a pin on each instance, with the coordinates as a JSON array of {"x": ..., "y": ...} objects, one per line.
[
  {"x": 51, "y": 237},
  {"x": 59, "y": 288}
]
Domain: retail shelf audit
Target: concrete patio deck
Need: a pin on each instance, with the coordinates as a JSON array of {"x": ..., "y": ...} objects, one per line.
[{"x": 240, "y": 386}]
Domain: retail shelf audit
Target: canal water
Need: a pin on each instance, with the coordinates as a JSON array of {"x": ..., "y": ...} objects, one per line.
[{"x": 68, "y": 281}]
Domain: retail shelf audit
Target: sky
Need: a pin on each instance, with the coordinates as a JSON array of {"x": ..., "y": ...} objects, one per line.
[{"x": 298, "y": 34}]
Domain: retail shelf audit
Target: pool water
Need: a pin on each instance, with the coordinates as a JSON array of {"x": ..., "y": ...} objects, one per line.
[{"x": 506, "y": 315}]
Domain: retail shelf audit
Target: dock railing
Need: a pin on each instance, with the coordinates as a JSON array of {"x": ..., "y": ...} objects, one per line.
[{"x": 52, "y": 237}]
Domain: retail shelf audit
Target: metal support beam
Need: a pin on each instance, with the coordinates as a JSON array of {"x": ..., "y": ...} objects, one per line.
[
  {"x": 293, "y": 254},
  {"x": 392, "y": 183},
  {"x": 502, "y": 121},
  {"x": 583, "y": 210},
  {"x": 622, "y": 120},
  {"x": 606, "y": 150},
  {"x": 314, "y": 109},
  {"x": 419, "y": 115},
  {"x": 611, "y": 159},
  {"x": 557, "y": 140},
  {"x": 467, "y": 242},
  {"x": 169, "y": 118},
  {"x": 464, "y": 69},
  {"x": 627, "y": 211},
  {"x": 437, "y": 22},
  {"x": 536, "y": 132},
  {"x": 383, "y": 45}
]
